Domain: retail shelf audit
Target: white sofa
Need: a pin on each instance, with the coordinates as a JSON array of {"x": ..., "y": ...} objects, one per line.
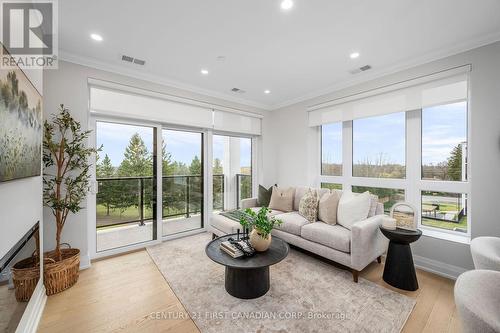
[{"x": 355, "y": 248}]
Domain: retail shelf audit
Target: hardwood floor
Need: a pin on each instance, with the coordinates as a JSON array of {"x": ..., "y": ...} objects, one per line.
[{"x": 124, "y": 293}]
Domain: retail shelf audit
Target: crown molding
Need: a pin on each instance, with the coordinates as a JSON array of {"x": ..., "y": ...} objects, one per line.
[
  {"x": 427, "y": 58},
  {"x": 364, "y": 77},
  {"x": 113, "y": 68}
]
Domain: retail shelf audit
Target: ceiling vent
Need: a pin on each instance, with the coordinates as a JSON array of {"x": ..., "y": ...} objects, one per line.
[
  {"x": 360, "y": 69},
  {"x": 133, "y": 60},
  {"x": 238, "y": 90}
]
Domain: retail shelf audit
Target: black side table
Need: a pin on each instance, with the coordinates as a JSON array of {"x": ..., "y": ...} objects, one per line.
[{"x": 399, "y": 270}]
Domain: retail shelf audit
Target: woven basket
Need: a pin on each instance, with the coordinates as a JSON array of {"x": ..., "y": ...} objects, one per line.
[
  {"x": 25, "y": 275},
  {"x": 60, "y": 275}
]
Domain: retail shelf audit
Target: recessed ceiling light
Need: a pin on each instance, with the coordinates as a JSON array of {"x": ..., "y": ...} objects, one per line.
[
  {"x": 96, "y": 37},
  {"x": 354, "y": 55},
  {"x": 286, "y": 4},
  {"x": 267, "y": 91},
  {"x": 204, "y": 71}
]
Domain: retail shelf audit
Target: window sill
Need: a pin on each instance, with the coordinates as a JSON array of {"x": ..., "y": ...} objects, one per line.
[{"x": 452, "y": 237}]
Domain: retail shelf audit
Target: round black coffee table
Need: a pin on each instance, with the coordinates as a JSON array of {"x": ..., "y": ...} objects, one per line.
[
  {"x": 247, "y": 277},
  {"x": 399, "y": 270}
]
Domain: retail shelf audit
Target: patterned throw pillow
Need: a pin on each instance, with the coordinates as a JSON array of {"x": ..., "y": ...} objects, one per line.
[{"x": 308, "y": 206}]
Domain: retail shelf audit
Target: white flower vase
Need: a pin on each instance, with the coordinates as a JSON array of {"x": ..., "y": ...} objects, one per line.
[{"x": 258, "y": 242}]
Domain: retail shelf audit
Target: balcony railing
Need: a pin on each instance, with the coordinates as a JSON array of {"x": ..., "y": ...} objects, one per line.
[{"x": 127, "y": 200}]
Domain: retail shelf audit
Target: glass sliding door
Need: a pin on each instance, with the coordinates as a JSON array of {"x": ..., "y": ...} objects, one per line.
[
  {"x": 232, "y": 171},
  {"x": 182, "y": 197},
  {"x": 126, "y": 196}
]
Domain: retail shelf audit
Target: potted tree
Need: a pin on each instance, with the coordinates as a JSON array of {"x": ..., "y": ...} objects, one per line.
[
  {"x": 66, "y": 183},
  {"x": 261, "y": 224}
]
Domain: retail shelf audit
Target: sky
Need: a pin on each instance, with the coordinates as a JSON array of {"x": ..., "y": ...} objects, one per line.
[
  {"x": 443, "y": 127},
  {"x": 182, "y": 145}
]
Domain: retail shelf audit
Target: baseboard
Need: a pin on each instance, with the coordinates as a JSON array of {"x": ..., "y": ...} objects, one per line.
[
  {"x": 438, "y": 267},
  {"x": 34, "y": 310},
  {"x": 84, "y": 261}
]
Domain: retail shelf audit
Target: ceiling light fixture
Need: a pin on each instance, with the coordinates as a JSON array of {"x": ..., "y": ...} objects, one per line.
[
  {"x": 354, "y": 55},
  {"x": 204, "y": 71},
  {"x": 96, "y": 37},
  {"x": 267, "y": 91},
  {"x": 286, "y": 4}
]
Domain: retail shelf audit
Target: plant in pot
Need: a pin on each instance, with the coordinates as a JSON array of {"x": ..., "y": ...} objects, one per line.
[
  {"x": 66, "y": 183},
  {"x": 261, "y": 224}
]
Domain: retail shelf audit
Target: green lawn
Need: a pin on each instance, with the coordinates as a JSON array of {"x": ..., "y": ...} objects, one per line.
[{"x": 446, "y": 207}]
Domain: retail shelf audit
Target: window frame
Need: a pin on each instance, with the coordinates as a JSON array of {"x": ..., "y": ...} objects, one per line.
[{"x": 412, "y": 184}]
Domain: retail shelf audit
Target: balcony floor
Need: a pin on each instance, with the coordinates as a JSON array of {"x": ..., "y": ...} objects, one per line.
[{"x": 120, "y": 236}]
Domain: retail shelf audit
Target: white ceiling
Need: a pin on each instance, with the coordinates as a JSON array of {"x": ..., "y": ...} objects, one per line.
[{"x": 295, "y": 54}]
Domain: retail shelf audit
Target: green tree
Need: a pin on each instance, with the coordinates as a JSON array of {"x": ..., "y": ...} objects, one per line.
[
  {"x": 218, "y": 185},
  {"x": 217, "y": 167},
  {"x": 105, "y": 169},
  {"x": 455, "y": 163},
  {"x": 195, "y": 167},
  {"x": 108, "y": 189},
  {"x": 137, "y": 160},
  {"x": 168, "y": 167}
]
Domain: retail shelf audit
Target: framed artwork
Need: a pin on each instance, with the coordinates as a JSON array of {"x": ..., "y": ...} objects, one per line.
[
  {"x": 20, "y": 125},
  {"x": 405, "y": 215}
]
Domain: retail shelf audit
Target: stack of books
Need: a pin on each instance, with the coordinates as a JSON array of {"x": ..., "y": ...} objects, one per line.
[{"x": 230, "y": 249}]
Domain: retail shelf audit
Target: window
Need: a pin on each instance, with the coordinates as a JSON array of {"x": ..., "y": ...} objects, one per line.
[
  {"x": 386, "y": 196},
  {"x": 379, "y": 146},
  {"x": 418, "y": 153},
  {"x": 125, "y": 202},
  {"x": 331, "y": 149},
  {"x": 331, "y": 186},
  {"x": 444, "y": 142},
  {"x": 232, "y": 171},
  {"x": 445, "y": 210}
]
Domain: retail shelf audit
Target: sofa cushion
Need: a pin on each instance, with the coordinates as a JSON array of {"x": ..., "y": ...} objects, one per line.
[
  {"x": 264, "y": 196},
  {"x": 335, "y": 236},
  {"x": 292, "y": 222},
  {"x": 353, "y": 208},
  {"x": 327, "y": 211},
  {"x": 300, "y": 191},
  {"x": 225, "y": 224},
  {"x": 282, "y": 199},
  {"x": 308, "y": 206}
]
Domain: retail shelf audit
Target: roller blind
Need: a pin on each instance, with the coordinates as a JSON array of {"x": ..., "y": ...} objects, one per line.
[
  {"x": 237, "y": 123},
  {"x": 130, "y": 104},
  {"x": 126, "y": 104},
  {"x": 442, "y": 88}
]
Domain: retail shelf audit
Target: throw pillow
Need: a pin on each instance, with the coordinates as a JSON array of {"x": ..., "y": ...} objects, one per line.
[
  {"x": 327, "y": 211},
  {"x": 373, "y": 205},
  {"x": 353, "y": 208},
  {"x": 282, "y": 199},
  {"x": 308, "y": 206},
  {"x": 264, "y": 196}
]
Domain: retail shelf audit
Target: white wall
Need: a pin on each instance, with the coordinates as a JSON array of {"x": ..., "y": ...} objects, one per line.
[
  {"x": 292, "y": 148},
  {"x": 21, "y": 199},
  {"x": 68, "y": 85}
]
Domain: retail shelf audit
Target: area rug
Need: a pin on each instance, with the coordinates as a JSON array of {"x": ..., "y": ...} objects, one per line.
[{"x": 306, "y": 295}]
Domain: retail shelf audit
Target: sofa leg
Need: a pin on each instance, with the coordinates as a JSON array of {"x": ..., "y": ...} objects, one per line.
[
  {"x": 355, "y": 275},
  {"x": 379, "y": 259},
  {"x": 214, "y": 236}
]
